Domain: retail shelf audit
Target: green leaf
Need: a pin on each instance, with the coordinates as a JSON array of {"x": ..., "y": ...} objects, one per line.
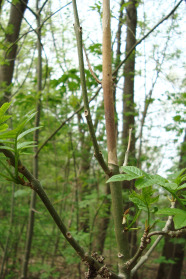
[
  {"x": 4, "y": 118},
  {"x": 8, "y": 134},
  {"x": 3, "y": 127},
  {"x": 179, "y": 216},
  {"x": 8, "y": 170},
  {"x": 28, "y": 117},
  {"x": 153, "y": 179},
  {"x": 4, "y": 108},
  {"x": 133, "y": 171},
  {"x": 163, "y": 259},
  {"x": 147, "y": 195},
  {"x": 177, "y": 118},
  {"x": 159, "y": 179},
  {"x": 180, "y": 220},
  {"x": 121, "y": 177},
  {"x": 7, "y": 148},
  {"x": 138, "y": 200},
  {"x": 7, "y": 177},
  {"x": 24, "y": 144},
  {"x": 144, "y": 182},
  {"x": 171, "y": 186},
  {"x": 183, "y": 186},
  {"x": 6, "y": 141},
  {"x": 171, "y": 211},
  {"x": 183, "y": 178},
  {"x": 177, "y": 175},
  {"x": 28, "y": 146},
  {"x": 27, "y": 132}
]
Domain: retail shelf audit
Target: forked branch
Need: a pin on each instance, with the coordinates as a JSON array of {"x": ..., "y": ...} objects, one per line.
[
  {"x": 145, "y": 36},
  {"x": 78, "y": 32}
]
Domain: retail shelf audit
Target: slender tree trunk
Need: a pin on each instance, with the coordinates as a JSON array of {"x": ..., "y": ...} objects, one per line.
[
  {"x": 129, "y": 105},
  {"x": 128, "y": 91},
  {"x": 83, "y": 171},
  {"x": 116, "y": 190},
  {"x": 173, "y": 251},
  {"x": 6, "y": 74},
  {"x": 1, "y": 3},
  {"x": 30, "y": 229},
  {"x": 104, "y": 221},
  {"x": 7, "y": 68}
]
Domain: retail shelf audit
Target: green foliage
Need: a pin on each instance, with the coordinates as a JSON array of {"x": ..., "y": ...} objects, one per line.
[
  {"x": 97, "y": 7},
  {"x": 96, "y": 48},
  {"x": 61, "y": 170},
  {"x": 131, "y": 173},
  {"x": 162, "y": 259},
  {"x": 145, "y": 199},
  {"x": 179, "y": 216},
  {"x": 16, "y": 135}
]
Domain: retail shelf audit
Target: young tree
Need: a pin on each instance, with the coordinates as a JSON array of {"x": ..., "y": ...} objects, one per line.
[{"x": 145, "y": 199}]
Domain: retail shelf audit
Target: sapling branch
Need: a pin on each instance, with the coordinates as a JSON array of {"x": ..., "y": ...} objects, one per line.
[
  {"x": 175, "y": 233},
  {"x": 35, "y": 184},
  {"x": 90, "y": 68},
  {"x": 143, "y": 244},
  {"x": 78, "y": 32},
  {"x": 145, "y": 257},
  {"x": 128, "y": 148}
]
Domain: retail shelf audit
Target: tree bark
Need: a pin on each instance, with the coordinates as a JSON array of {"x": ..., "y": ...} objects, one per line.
[
  {"x": 7, "y": 69},
  {"x": 104, "y": 221},
  {"x": 128, "y": 90},
  {"x": 116, "y": 190},
  {"x": 129, "y": 106}
]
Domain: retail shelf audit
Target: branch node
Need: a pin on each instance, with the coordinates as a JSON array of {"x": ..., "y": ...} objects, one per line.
[
  {"x": 68, "y": 234},
  {"x": 120, "y": 255},
  {"x": 104, "y": 272},
  {"x": 97, "y": 257},
  {"x": 86, "y": 113},
  {"x": 21, "y": 168}
]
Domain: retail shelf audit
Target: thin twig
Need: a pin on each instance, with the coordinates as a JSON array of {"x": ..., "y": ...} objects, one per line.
[
  {"x": 25, "y": 76},
  {"x": 19, "y": 39},
  {"x": 54, "y": 13},
  {"x": 63, "y": 123},
  {"x": 145, "y": 36},
  {"x": 35, "y": 184},
  {"x": 128, "y": 148},
  {"x": 176, "y": 233},
  {"x": 90, "y": 68},
  {"x": 43, "y": 6},
  {"x": 151, "y": 249},
  {"x": 27, "y": 8},
  {"x": 148, "y": 97},
  {"x": 78, "y": 32}
]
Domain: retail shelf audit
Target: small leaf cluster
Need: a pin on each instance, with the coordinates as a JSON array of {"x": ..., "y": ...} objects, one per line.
[
  {"x": 12, "y": 140},
  {"x": 145, "y": 198}
]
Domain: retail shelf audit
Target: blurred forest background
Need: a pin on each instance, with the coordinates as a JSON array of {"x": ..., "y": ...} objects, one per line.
[{"x": 39, "y": 70}]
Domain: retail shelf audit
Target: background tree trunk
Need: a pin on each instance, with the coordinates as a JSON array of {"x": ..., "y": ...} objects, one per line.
[
  {"x": 129, "y": 107},
  {"x": 30, "y": 229},
  {"x": 116, "y": 189},
  {"x": 7, "y": 68},
  {"x": 128, "y": 90}
]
